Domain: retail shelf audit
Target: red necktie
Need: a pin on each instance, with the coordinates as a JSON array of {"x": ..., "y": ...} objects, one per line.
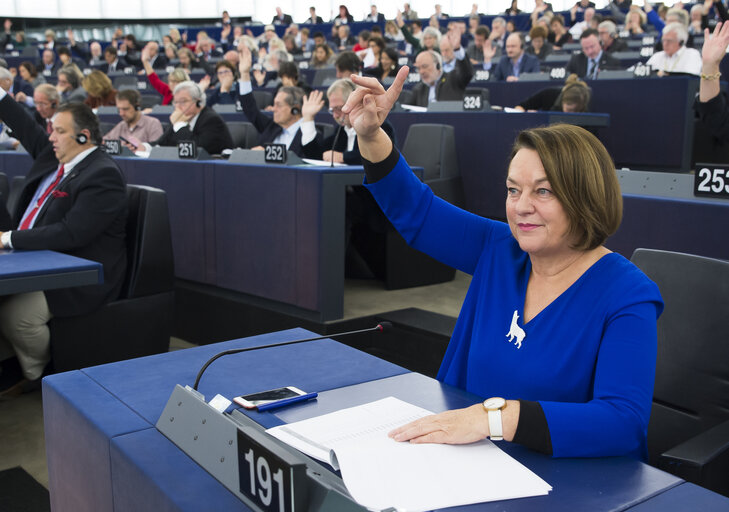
[
  {"x": 49, "y": 127},
  {"x": 26, "y": 222}
]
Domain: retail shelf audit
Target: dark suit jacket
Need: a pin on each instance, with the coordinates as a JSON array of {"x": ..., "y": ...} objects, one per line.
[
  {"x": 505, "y": 67},
  {"x": 338, "y": 142},
  {"x": 161, "y": 61},
  {"x": 210, "y": 132},
  {"x": 120, "y": 65},
  {"x": 450, "y": 87},
  {"x": 318, "y": 20},
  {"x": 578, "y": 64},
  {"x": 618, "y": 46},
  {"x": 20, "y": 85},
  {"x": 287, "y": 20},
  {"x": 268, "y": 130},
  {"x": 86, "y": 218}
]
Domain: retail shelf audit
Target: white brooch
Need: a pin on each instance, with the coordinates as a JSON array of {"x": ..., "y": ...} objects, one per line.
[{"x": 515, "y": 331}]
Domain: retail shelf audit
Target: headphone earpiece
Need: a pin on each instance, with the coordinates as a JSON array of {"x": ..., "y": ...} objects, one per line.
[
  {"x": 295, "y": 111},
  {"x": 437, "y": 65},
  {"x": 81, "y": 138},
  {"x": 137, "y": 107},
  {"x": 54, "y": 104},
  {"x": 197, "y": 103}
]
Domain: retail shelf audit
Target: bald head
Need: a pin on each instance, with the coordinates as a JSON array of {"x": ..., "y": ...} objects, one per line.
[{"x": 513, "y": 46}]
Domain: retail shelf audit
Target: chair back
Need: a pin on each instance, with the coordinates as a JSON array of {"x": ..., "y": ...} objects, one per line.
[
  {"x": 244, "y": 134},
  {"x": 150, "y": 264},
  {"x": 432, "y": 147},
  {"x": 691, "y": 391},
  {"x": 4, "y": 187}
]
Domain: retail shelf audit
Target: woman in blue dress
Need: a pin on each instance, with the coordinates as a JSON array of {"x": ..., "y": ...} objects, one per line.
[{"x": 554, "y": 322}]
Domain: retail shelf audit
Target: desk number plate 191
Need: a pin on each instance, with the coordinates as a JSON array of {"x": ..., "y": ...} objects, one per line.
[
  {"x": 187, "y": 149},
  {"x": 711, "y": 181},
  {"x": 275, "y": 153},
  {"x": 267, "y": 480}
]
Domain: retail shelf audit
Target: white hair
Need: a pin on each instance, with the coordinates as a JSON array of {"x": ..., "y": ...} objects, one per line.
[
  {"x": 193, "y": 89},
  {"x": 679, "y": 29}
]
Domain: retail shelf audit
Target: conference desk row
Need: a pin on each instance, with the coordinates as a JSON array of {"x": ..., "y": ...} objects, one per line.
[{"x": 104, "y": 452}]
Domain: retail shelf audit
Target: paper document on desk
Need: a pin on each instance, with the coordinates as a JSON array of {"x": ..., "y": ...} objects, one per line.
[{"x": 381, "y": 473}]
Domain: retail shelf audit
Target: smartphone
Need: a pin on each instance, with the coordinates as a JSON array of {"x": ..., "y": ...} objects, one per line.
[
  {"x": 266, "y": 397},
  {"x": 129, "y": 142}
]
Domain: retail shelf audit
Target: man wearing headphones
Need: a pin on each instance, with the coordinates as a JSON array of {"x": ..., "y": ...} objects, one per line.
[
  {"x": 514, "y": 63},
  {"x": 73, "y": 200},
  {"x": 283, "y": 128},
  {"x": 608, "y": 33},
  {"x": 592, "y": 59},
  {"x": 676, "y": 57},
  {"x": 135, "y": 127},
  {"x": 193, "y": 120},
  {"x": 435, "y": 84}
]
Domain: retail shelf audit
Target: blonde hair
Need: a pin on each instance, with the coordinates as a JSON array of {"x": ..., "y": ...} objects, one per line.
[{"x": 97, "y": 84}]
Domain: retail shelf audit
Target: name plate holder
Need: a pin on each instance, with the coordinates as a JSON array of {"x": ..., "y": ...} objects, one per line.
[{"x": 284, "y": 479}]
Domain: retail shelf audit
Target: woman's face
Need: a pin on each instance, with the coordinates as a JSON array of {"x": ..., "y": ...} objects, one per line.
[
  {"x": 537, "y": 219},
  {"x": 537, "y": 43},
  {"x": 375, "y": 49},
  {"x": 24, "y": 73},
  {"x": 173, "y": 84},
  {"x": 429, "y": 42},
  {"x": 385, "y": 61},
  {"x": 320, "y": 54},
  {"x": 184, "y": 59}
]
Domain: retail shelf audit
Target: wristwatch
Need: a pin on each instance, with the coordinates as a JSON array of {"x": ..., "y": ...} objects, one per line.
[{"x": 493, "y": 407}]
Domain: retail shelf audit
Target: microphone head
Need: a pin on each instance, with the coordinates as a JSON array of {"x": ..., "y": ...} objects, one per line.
[{"x": 384, "y": 326}]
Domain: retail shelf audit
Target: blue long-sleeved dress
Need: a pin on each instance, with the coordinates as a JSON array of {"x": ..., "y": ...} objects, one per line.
[{"x": 588, "y": 358}]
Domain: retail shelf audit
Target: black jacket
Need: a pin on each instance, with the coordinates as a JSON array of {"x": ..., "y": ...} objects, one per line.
[{"x": 210, "y": 132}]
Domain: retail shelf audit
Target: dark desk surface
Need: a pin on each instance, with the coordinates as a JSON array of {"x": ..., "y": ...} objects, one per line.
[{"x": 28, "y": 271}]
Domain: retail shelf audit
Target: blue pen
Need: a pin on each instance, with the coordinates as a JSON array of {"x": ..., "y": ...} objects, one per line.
[{"x": 286, "y": 401}]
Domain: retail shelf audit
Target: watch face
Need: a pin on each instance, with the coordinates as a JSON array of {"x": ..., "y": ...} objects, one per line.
[{"x": 494, "y": 403}]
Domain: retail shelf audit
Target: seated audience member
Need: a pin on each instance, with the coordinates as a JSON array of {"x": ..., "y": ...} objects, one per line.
[
  {"x": 188, "y": 60},
  {"x": 608, "y": 33},
  {"x": 435, "y": 85},
  {"x": 282, "y": 19},
  {"x": 99, "y": 89},
  {"x": 578, "y": 28},
  {"x": 175, "y": 78},
  {"x": 699, "y": 18},
  {"x": 69, "y": 84},
  {"x": 343, "y": 18},
  {"x": 392, "y": 32},
  {"x": 322, "y": 57},
  {"x": 675, "y": 57},
  {"x": 313, "y": 19},
  {"x": 559, "y": 35},
  {"x": 290, "y": 45},
  {"x": 49, "y": 64},
  {"x": 387, "y": 67},
  {"x": 498, "y": 32},
  {"x": 542, "y": 272},
  {"x": 712, "y": 105},
  {"x": 341, "y": 147},
  {"x": 288, "y": 76},
  {"x": 226, "y": 92},
  {"x": 134, "y": 125},
  {"x": 47, "y": 100},
  {"x": 79, "y": 208},
  {"x": 635, "y": 20},
  {"x": 573, "y": 97},
  {"x": 91, "y": 54},
  {"x": 429, "y": 41},
  {"x": 475, "y": 48},
  {"x": 371, "y": 56},
  {"x": 170, "y": 51},
  {"x": 16, "y": 87},
  {"x": 362, "y": 41},
  {"x": 374, "y": 16},
  {"x": 514, "y": 63},
  {"x": 64, "y": 55},
  {"x": 193, "y": 120},
  {"x": 447, "y": 53},
  {"x": 114, "y": 62},
  {"x": 591, "y": 60},
  {"x": 541, "y": 8},
  {"x": 347, "y": 63},
  {"x": 156, "y": 59},
  {"x": 206, "y": 51},
  {"x": 408, "y": 13},
  {"x": 283, "y": 127},
  {"x": 29, "y": 73},
  {"x": 50, "y": 39},
  {"x": 439, "y": 14},
  {"x": 538, "y": 44},
  {"x": 343, "y": 40},
  {"x": 306, "y": 43}
]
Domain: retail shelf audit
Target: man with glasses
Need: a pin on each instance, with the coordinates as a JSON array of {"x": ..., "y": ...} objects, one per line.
[
  {"x": 69, "y": 86},
  {"x": 283, "y": 128},
  {"x": 675, "y": 57},
  {"x": 226, "y": 92},
  {"x": 46, "y": 100},
  {"x": 341, "y": 147},
  {"x": 435, "y": 84},
  {"x": 192, "y": 120}
]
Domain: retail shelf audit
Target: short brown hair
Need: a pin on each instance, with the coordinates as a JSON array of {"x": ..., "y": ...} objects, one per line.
[
  {"x": 538, "y": 31},
  {"x": 583, "y": 179}
]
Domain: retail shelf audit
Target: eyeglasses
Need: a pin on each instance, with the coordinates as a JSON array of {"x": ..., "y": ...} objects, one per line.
[
  {"x": 182, "y": 102},
  {"x": 224, "y": 72},
  {"x": 335, "y": 110}
]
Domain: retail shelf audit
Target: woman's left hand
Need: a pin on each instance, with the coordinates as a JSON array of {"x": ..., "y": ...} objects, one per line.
[{"x": 459, "y": 426}]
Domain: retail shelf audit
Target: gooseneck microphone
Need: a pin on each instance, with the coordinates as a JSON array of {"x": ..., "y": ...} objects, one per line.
[
  {"x": 334, "y": 143},
  {"x": 381, "y": 327}
]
